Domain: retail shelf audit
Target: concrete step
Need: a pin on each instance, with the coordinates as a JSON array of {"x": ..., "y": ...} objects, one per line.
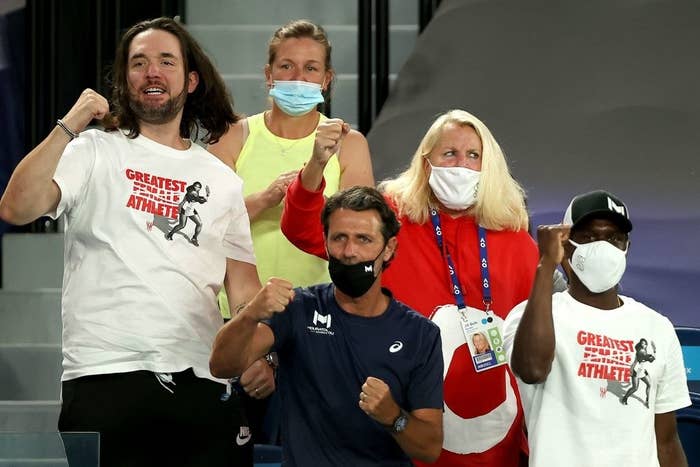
[
  {"x": 32, "y": 449},
  {"x": 243, "y": 48},
  {"x": 32, "y": 261},
  {"x": 279, "y": 12},
  {"x": 34, "y": 462},
  {"x": 30, "y": 317},
  {"x": 49, "y": 449},
  {"x": 29, "y": 416},
  {"x": 30, "y": 372}
]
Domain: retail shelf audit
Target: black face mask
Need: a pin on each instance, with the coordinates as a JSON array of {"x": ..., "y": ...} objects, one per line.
[{"x": 353, "y": 280}]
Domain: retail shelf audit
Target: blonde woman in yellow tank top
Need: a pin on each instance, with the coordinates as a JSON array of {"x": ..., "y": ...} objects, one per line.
[{"x": 268, "y": 150}]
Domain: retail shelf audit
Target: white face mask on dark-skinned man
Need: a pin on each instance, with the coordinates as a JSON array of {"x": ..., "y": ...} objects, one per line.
[{"x": 599, "y": 265}]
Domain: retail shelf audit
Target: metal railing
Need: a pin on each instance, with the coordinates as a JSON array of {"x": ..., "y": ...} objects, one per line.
[{"x": 378, "y": 10}]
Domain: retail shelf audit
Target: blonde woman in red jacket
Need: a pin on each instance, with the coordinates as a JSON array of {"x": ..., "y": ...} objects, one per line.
[{"x": 463, "y": 252}]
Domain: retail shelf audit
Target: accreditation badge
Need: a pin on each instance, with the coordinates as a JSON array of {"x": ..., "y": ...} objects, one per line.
[{"x": 483, "y": 334}]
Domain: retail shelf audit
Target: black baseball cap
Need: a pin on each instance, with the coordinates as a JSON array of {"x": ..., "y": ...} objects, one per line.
[{"x": 598, "y": 204}]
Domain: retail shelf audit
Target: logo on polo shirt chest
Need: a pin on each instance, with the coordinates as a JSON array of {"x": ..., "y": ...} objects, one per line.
[{"x": 321, "y": 324}]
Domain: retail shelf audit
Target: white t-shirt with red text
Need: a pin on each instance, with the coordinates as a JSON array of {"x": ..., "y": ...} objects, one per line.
[
  {"x": 133, "y": 299},
  {"x": 587, "y": 412}
]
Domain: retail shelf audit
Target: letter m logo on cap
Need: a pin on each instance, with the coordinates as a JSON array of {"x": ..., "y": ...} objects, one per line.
[{"x": 616, "y": 207}]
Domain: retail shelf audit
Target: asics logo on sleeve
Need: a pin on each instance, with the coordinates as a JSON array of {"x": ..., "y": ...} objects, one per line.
[{"x": 396, "y": 346}]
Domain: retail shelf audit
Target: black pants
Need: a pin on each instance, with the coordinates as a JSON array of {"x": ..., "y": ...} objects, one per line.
[{"x": 142, "y": 423}]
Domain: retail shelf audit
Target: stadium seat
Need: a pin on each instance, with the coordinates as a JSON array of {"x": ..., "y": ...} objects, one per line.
[
  {"x": 688, "y": 420},
  {"x": 267, "y": 455},
  {"x": 690, "y": 344}
]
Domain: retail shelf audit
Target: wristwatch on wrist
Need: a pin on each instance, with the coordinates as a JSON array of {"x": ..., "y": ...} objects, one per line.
[
  {"x": 400, "y": 422},
  {"x": 271, "y": 359}
]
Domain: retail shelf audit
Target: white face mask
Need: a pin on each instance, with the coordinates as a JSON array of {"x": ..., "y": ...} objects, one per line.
[
  {"x": 599, "y": 265},
  {"x": 454, "y": 187}
]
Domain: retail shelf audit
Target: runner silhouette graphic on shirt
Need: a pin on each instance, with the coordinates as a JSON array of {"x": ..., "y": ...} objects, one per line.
[
  {"x": 639, "y": 371},
  {"x": 188, "y": 211}
]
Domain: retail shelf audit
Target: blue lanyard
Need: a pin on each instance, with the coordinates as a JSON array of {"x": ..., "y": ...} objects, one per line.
[{"x": 456, "y": 289}]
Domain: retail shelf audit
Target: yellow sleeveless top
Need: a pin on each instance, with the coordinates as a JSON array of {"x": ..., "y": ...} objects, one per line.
[{"x": 263, "y": 158}]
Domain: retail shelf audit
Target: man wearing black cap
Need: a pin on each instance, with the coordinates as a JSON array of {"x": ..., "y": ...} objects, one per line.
[{"x": 579, "y": 355}]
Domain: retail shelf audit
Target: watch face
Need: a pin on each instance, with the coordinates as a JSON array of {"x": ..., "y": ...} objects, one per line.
[{"x": 400, "y": 423}]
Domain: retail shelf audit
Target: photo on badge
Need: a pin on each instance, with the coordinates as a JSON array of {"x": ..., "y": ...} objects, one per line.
[{"x": 486, "y": 348}]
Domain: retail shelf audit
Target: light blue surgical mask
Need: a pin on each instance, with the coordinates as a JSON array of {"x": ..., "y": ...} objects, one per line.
[{"x": 296, "y": 98}]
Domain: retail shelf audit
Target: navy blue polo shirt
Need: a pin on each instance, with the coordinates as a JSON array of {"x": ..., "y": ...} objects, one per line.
[{"x": 326, "y": 354}]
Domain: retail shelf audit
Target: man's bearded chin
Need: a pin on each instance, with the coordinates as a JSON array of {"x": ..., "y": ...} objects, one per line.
[{"x": 158, "y": 115}]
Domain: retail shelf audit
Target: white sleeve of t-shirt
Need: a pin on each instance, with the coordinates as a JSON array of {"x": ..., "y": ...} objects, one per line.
[
  {"x": 237, "y": 243},
  {"x": 73, "y": 172},
  {"x": 672, "y": 392},
  {"x": 510, "y": 327}
]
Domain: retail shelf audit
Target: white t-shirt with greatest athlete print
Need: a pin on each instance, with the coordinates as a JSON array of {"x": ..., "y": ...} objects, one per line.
[
  {"x": 587, "y": 412},
  {"x": 132, "y": 298}
]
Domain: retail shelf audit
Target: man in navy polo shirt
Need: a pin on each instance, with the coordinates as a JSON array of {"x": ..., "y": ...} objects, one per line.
[{"x": 360, "y": 374}]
